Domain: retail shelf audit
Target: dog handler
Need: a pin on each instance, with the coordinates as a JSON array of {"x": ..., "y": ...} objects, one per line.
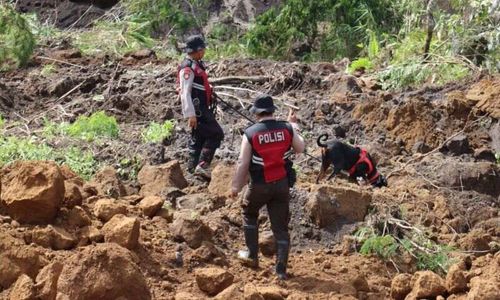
[{"x": 265, "y": 153}]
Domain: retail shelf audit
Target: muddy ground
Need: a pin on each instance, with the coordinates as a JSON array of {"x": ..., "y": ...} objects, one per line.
[{"x": 448, "y": 188}]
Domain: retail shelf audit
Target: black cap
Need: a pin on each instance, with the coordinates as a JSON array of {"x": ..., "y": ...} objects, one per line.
[
  {"x": 194, "y": 43},
  {"x": 263, "y": 103}
]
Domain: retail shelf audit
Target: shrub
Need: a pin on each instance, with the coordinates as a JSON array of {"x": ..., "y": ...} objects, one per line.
[
  {"x": 16, "y": 40},
  {"x": 383, "y": 246},
  {"x": 157, "y": 133},
  {"x": 95, "y": 126},
  {"x": 363, "y": 63},
  {"x": 83, "y": 163}
]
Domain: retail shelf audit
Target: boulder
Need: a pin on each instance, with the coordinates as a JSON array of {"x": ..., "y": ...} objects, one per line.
[
  {"x": 191, "y": 229},
  {"x": 455, "y": 279},
  {"x": 73, "y": 194},
  {"x": 421, "y": 147},
  {"x": 427, "y": 284},
  {"x": 150, "y": 205},
  {"x": 53, "y": 237},
  {"x": 201, "y": 202},
  {"x": 483, "y": 289},
  {"x": 250, "y": 292},
  {"x": 46, "y": 281},
  {"x": 328, "y": 204},
  {"x": 476, "y": 240},
  {"x": 272, "y": 292},
  {"x": 213, "y": 280},
  {"x": 142, "y": 54},
  {"x": 232, "y": 292},
  {"x": 104, "y": 271},
  {"x": 90, "y": 234},
  {"x": 78, "y": 217},
  {"x": 166, "y": 214},
  {"x": 16, "y": 259},
  {"x": 209, "y": 253},
  {"x": 185, "y": 296},
  {"x": 155, "y": 180},
  {"x": 221, "y": 176},
  {"x": 267, "y": 243},
  {"x": 108, "y": 184},
  {"x": 61, "y": 86},
  {"x": 122, "y": 230},
  {"x": 482, "y": 177},
  {"x": 485, "y": 154},
  {"x": 400, "y": 286},
  {"x": 105, "y": 209},
  {"x": 458, "y": 145},
  {"x": 24, "y": 289},
  {"x": 32, "y": 191}
]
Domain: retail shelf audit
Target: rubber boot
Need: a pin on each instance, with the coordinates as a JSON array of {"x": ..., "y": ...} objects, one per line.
[
  {"x": 282, "y": 249},
  {"x": 250, "y": 257},
  {"x": 203, "y": 167},
  {"x": 194, "y": 159}
]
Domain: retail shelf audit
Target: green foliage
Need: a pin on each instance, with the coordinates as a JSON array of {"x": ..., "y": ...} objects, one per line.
[
  {"x": 230, "y": 49},
  {"x": 2, "y": 122},
  {"x": 363, "y": 63},
  {"x": 16, "y": 40},
  {"x": 128, "y": 168},
  {"x": 497, "y": 156},
  {"x": 157, "y": 133},
  {"x": 383, "y": 246},
  {"x": 13, "y": 149},
  {"x": 48, "y": 70},
  {"x": 95, "y": 126}
]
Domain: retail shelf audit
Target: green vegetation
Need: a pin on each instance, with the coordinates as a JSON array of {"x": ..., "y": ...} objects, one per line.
[
  {"x": 497, "y": 156},
  {"x": 157, "y": 133},
  {"x": 128, "y": 168},
  {"x": 427, "y": 254},
  {"x": 90, "y": 128},
  {"x": 2, "y": 122},
  {"x": 13, "y": 148},
  {"x": 48, "y": 70},
  {"x": 16, "y": 40}
]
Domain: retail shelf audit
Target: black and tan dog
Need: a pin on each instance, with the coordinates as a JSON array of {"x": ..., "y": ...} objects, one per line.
[{"x": 354, "y": 160}]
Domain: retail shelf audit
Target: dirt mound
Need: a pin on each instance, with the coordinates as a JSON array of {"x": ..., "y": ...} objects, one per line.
[{"x": 32, "y": 191}]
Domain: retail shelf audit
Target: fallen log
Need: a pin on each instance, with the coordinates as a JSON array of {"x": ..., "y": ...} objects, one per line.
[{"x": 240, "y": 79}]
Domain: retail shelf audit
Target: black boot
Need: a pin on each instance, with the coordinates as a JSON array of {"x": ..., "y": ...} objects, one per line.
[
  {"x": 282, "y": 249},
  {"x": 194, "y": 159},
  {"x": 250, "y": 257}
]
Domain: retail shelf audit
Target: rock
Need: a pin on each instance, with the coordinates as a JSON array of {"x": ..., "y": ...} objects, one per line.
[
  {"x": 250, "y": 292},
  {"x": 476, "y": 240},
  {"x": 150, "y": 205},
  {"x": 122, "y": 230},
  {"x": 24, "y": 289},
  {"x": 54, "y": 237},
  {"x": 213, "y": 280},
  {"x": 458, "y": 145},
  {"x": 105, "y": 209},
  {"x": 32, "y": 191},
  {"x": 232, "y": 292},
  {"x": 155, "y": 180},
  {"x": 267, "y": 243},
  {"x": 272, "y": 292},
  {"x": 221, "y": 176},
  {"x": 78, "y": 217},
  {"x": 455, "y": 279},
  {"x": 68, "y": 53},
  {"x": 427, "y": 284},
  {"x": 484, "y": 154},
  {"x": 329, "y": 204},
  {"x": 186, "y": 296},
  {"x": 166, "y": 214},
  {"x": 400, "y": 286},
  {"x": 104, "y": 271},
  {"x": 108, "y": 184},
  {"x": 61, "y": 87},
  {"x": 483, "y": 289},
  {"x": 421, "y": 147},
  {"x": 343, "y": 86},
  {"x": 203, "y": 203},
  {"x": 16, "y": 259},
  {"x": 359, "y": 283},
  {"x": 209, "y": 253},
  {"x": 73, "y": 194},
  {"x": 91, "y": 234},
  {"x": 46, "y": 281},
  {"x": 191, "y": 230},
  {"x": 482, "y": 177},
  {"x": 142, "y": 54}
]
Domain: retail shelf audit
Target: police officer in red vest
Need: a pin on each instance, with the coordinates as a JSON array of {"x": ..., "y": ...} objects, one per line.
[
  {"x": 198, "y": 107},
  {"x": 265, "y": 154}
]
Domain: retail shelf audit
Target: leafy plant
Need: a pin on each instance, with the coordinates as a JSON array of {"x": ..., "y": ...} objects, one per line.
[
  {"x": 16, "y": 40},
  {"x": 97, "y": 125},
  {"x": 157, "y": 133},
  {"x": 83, "y": 163},
  {"x": 383, "y": 246},
  {"x": 363, "y": 63},
  {"x": 128, "y": 168},
  {"x": 48, "y": 70}
]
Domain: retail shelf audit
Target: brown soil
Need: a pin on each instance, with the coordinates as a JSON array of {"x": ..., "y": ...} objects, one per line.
[{"x": 324, "y": 263}]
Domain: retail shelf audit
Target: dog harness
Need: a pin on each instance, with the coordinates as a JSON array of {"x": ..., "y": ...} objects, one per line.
[
  {"x": 271, "y": 143},
  {"x": 363, "y": 158}
]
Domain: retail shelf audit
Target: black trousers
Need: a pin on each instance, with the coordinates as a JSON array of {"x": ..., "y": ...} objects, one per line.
[
  {"x": 207, "y": 136},
  {"x": 276, "y": 197}
]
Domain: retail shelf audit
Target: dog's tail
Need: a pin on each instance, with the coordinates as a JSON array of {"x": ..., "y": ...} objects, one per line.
[{"x": 322, "y": 140}]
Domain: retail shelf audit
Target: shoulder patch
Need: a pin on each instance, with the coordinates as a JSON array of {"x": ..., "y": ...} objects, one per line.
[{"x": 187, "y": 73}]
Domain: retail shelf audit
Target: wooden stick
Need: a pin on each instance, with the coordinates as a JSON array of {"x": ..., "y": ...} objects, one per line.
[
  {"x": 240, "y": 79},
  {"x": 60, "y": 61},
  {"x": 235, "y": 97}
]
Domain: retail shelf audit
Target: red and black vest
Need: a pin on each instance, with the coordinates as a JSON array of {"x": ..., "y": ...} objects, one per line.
[
  {"x": 271, "y": 143},
  {"x": 201, "y": 86}
]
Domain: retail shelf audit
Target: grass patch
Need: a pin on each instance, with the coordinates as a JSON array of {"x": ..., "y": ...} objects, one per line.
[
  {"x": 48, "y": 70},
  {"x": 14, "y": 149},
  {"x": 157, "y": 133},
  {"x": 96, "y": 126}
]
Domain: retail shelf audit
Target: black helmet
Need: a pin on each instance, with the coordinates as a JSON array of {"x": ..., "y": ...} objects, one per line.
[
  {"x": 263, "y": 103},
  {"x": 194, "y": 43}
]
